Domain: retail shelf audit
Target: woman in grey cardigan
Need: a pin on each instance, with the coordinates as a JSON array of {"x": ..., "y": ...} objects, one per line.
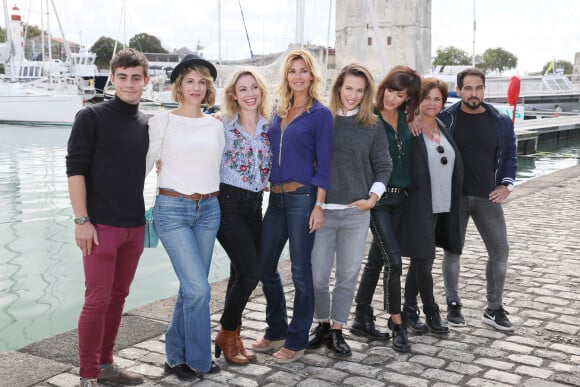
[
  {"x": 431, "y": 211},
  {"x": 360, "y": 169}
]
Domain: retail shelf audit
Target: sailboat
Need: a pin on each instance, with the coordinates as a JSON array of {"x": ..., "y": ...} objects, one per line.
[{"x": 32, "y": 92}]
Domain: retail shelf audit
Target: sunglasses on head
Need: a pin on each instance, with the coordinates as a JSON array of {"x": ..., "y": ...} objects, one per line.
[{"x": 441, "y": 150}]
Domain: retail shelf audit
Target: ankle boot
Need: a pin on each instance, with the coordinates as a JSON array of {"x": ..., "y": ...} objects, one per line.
[
  {"x": 434, "y": 322},
  {"x": 364, "y": 324},
  {"x": 400, "y": 338},
  {"x": 319, "y": 336},
  {"x": 337, "y": 344},
  {"x": 249, "y": 354},
  {"x": 411, "y": 319},
  {"x": 226, "y": 341}
]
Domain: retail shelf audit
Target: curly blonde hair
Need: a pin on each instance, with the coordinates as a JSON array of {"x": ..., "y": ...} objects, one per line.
[
  {"x": 284, "y": 92},
  {"x": 230, "y": 107}
]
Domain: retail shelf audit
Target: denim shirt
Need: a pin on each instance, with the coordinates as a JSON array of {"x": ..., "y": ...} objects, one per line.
[{"x": 246, "y": 161}]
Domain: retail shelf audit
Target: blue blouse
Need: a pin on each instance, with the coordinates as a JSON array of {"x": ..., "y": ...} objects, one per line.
[{"x": 246, "y": 160}]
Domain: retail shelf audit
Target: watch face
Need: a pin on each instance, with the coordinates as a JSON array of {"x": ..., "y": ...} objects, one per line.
[{"x": 81, "y": 220}]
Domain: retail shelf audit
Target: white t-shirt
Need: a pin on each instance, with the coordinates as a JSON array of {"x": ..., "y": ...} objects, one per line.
[{"x": 191, "y": 154}]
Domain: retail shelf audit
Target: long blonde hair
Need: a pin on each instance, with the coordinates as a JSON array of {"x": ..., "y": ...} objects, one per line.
[
  {"x": 283, "y": 90},
  {"x": 366, "y": 115},
  {"x": 230, "y": 107}
]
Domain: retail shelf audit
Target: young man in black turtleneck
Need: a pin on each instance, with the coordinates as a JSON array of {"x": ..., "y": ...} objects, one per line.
[{"x": 105, "y": 166}]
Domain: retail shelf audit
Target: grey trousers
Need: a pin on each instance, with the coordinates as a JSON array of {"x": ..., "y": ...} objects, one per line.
[
  {"x": 343, "y": 236},
  {"x": 489, "y": 219}
]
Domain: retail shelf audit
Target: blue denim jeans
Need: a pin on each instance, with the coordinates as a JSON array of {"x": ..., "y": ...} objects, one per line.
[
  {"x": 490, "y": 222},
  {"x": 343, "y": 236},
  {"x": 287, "y": 219},
  {"x": 187, "y": 228}
]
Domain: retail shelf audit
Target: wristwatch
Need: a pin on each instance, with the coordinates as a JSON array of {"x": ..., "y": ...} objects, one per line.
[
  {"x": 81, "y": 219},
  {"x": 509, "y": 186},
  {"x": 320, "y": 204}
]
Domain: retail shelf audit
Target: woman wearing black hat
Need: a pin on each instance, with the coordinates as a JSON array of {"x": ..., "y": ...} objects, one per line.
[{"x": 187, "y": 213}]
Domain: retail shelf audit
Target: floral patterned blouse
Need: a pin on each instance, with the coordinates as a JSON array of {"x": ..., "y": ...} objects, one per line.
[{"x": 246, "y": 160}]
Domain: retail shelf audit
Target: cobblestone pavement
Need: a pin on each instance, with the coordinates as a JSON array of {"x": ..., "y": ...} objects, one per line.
[{"x": 541, "y": 295}]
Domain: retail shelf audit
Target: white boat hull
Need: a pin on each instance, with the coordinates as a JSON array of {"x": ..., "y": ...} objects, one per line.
[{"x": 39, "y": 109}]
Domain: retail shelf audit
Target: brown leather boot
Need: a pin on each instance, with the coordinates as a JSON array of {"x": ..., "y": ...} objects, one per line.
[
  {"x": 250, "y": 355},
  {"x": 227, "y": 342}
]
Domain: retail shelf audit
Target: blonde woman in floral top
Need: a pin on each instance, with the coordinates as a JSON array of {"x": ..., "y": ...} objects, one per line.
[{"x": 244, "y": 173}]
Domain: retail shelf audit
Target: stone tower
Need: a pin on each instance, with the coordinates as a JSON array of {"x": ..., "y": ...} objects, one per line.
[{"x": 404, "y": 31}]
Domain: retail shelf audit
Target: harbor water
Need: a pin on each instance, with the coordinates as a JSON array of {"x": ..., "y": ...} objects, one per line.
[{"x": 41, "y": 278}]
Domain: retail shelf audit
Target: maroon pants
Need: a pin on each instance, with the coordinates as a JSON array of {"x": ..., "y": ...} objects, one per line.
[{"x": 109, "y": 271}]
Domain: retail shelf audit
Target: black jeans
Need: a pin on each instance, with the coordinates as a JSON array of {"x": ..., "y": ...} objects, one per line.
[
  {"x": 240, "y": 235},
  {"x": 385, "y": 218},
  {"x": 420, "y": 281}
]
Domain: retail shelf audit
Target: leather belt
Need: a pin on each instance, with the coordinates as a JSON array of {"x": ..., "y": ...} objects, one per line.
[
  {"x": 394, "y": 190},
  {"x": 195, "y": 196},
  {"x": 290, "y": 186}
]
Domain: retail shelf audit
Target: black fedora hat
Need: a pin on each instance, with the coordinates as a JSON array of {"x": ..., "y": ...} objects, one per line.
[{"x": 189, "y": 60}]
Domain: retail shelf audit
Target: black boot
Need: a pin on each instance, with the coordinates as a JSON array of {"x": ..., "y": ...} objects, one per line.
[
  {"x": 337, "y": 343},
  {"x": 434, "y": 322},
  {"x": 400, "y": 338},
  {"x": 319, "y": 336},
  {"x": 411, "y": 319},
  {"x": 364, "y": 324}
]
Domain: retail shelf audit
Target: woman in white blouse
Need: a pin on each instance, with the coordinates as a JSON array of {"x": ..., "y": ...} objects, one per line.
[{"x": 187, "y": 213}]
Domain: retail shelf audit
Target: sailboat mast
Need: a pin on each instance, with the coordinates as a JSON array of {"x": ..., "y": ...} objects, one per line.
[
  {"x": 473, "y": 50},
  {"x": 300, "y": 4}
]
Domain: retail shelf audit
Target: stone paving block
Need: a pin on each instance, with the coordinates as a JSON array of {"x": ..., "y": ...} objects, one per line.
[
  {"x": 442, "y": 375},
  {"x": 564, "y": 328},
  {"x": 573, "y": 350},
  {"x": 489, "y": 333},
  {"x": 231, "y": 379},
  {"x": 284, "y": 378},
  {"x": 63, "y": 380},
  {"x": 502, "y": 376},
  {"x": 525, "y": 359},
  {"x": 133, "y": 353},
  {"x": 332, "y": 375},
  {"x": 148, "y": 370},
  {"x": 404, "y": 380},
  {"x": 428, "y": 361},
  {"x": 152, "y": 346},
  {"x": 456, "y": 355},
  {"x": 570, "y": 379},
  {"x": 424, "y": 349},
  {"x": 525, "y": 341},
  {"x": 405, "y": 367},
  {"x": 153, "y": 358},
  {"x": 357, "y": 369},
  {"x": 463, "y": 368},
  {"x": 533, "y": 323},
  {"x": 310, "y": 382},
  {"x": 536, "y": 372},
  {"x": 511, "y": 347},
  {"x": 361, "y": 381},
  {"x": 493, "y": 363},
  {"x": 533, "y": 382},
  {"x": 478, "y": 382}
]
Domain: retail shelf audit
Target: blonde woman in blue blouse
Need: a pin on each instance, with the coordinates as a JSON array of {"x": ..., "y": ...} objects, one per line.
[{"x": 244, "y": 172}]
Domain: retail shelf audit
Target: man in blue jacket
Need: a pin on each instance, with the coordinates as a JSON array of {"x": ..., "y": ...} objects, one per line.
[{"x": 487, "y": 143}]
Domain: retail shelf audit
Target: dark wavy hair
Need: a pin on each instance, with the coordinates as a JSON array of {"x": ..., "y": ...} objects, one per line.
[{"x": 402, "y": 78}]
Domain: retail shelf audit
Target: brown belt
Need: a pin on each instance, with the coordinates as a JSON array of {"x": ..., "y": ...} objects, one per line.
[
  {"x": 195, "y": 196},
  {"x": 291, "y": 186}
]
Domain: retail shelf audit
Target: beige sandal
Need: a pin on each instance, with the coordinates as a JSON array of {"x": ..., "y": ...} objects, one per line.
[
  {"x": 285, "y": 355},
  {"x": 265, "y": 345}
]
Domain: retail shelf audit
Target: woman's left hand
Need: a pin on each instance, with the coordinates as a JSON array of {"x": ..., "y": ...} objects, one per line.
[{"x": 316, "y": 219}]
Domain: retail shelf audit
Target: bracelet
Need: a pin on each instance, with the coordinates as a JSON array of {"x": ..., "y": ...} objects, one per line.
[{"x": 320, "y": 204}]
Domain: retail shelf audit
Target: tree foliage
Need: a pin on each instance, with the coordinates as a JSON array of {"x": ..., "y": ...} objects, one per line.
[
  {"x": 2, "y": 34},
  {"x": 559, "y": 64},
  {"x": 32, "y": 32},
  {"x": 103, "y": 47},
  {"x": 498, "y": 59},
  {"x": 146, "y": 43},
  {"x": 451, "y": 56}
]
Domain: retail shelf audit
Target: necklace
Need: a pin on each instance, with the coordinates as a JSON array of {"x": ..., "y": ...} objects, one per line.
[
  {"x": 285, "y": 121},
  {"x": 432, "y": 133}
]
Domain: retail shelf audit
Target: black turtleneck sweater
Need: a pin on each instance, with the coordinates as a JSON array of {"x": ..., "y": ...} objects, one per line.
[{"x": 108, "y": 145}]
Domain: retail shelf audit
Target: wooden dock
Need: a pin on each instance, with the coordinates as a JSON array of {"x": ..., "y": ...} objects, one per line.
[{"x": 531, "y": 133}]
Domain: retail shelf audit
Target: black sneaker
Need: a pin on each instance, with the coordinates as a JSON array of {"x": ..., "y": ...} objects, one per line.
[
  {"x": 454, "y": 316},
  {"x": 498, "y": 319}
]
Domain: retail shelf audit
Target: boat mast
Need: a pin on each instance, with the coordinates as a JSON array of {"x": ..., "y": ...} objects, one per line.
[
  {"x": 246, "y": 29},
  {"x": 473, "y": 50},
  {"x": 220, "y": 31},
  {"x": 300, "y": 4},
  {"x": 375, "y": 23}
]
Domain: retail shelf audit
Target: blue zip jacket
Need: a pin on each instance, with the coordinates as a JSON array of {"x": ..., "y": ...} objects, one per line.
[{"x": 506, "y": 161}]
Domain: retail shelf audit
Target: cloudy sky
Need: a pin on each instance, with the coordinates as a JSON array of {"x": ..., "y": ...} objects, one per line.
[{"x": 535, "y": 31}]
